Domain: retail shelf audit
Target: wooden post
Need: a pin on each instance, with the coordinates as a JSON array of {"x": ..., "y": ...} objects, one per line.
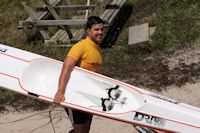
[
  {"x": 87, "y": 11},
  {"x": 56, "y": 16},
  {"x": 35, "y": 19}
]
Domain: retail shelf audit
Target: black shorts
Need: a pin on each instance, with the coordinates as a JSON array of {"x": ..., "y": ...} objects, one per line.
[{"x": 78, "y": 117}]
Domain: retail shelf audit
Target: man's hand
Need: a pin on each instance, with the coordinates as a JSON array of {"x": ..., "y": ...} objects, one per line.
[
  {"x": 59, "y": 97},
  {"x": 67, "y": 68}
]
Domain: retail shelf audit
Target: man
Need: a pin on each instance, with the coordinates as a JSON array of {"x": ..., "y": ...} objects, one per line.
[{"x": 88, "y": 55}]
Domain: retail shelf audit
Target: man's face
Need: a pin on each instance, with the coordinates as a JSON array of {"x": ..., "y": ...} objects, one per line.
[{"x": 96, "y": 32}]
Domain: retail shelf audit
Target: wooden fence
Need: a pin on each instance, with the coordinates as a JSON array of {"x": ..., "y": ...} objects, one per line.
[{"x": 70, "y": 30}]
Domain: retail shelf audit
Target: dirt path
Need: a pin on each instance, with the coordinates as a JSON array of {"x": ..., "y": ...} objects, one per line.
[{"x": 55, "y": 121}]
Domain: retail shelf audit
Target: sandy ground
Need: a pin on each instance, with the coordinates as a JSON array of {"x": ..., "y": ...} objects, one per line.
[{"x": 54, "y": 120}]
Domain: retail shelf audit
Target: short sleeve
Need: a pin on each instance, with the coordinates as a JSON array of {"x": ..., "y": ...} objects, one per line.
[{"x": 76, "y": 51}]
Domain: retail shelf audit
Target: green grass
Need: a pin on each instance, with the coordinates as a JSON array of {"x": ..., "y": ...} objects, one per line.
[
  {"x": 5, "y": 95},
  {"x": 176, "y": 22},
  {"x": 176, "y": 27}
]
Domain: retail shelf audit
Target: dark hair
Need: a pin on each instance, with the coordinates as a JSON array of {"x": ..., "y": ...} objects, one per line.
[{"x": 93, "y": 20}]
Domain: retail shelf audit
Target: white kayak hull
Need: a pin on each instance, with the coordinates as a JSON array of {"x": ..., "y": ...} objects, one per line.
[{"x": 37, "y": 76}]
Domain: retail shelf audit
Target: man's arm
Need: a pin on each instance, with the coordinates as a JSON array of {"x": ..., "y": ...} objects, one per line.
[{"x": 67, "y": 68}]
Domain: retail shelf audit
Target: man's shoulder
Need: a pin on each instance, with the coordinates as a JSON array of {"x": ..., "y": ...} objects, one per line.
[
  {"x": 78, "y": 46},
  {"x": 80, "y": 43}
]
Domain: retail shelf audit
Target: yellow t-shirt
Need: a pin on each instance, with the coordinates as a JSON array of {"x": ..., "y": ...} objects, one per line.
[{"x": 88, "y": 55}]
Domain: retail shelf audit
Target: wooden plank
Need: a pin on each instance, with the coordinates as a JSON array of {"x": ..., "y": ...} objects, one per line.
[
  {"x": 56, "y": 38},
  {"x": 138, "y": 34},
  {"x": 79, "y": 23},
  {"x": 63, "y": 36},
  {"x": 61, "y": 43},
  {"x": 43, "y": 33},
  {"x": 99, "y": 8},
  {"x": 120, "y": 4},
  {"x": 29, "y": 11},
  {"x": 68, "y": 7},
  {"x": 34, "y": 15},
  {"x": 79, "y": 34},
  {"x": 34, "y": 19},
  {"x": 77, "y": 7},
  {"x": 103, "y": 15},
  {"x": 56, "y": 16},
  {"x": 109, "y": 14},
  {"x": 39, "y": 15},
  {"x": 57, "y": 34}
]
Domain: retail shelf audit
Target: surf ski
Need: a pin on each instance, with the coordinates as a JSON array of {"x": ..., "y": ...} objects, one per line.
[{"x": 37, "y": 76}]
